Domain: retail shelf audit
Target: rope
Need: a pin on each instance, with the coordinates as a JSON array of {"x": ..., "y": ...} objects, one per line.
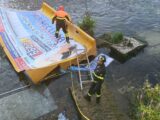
[
  {"x": 14, "y": 90},
  {"x": 73, "y": 93}
]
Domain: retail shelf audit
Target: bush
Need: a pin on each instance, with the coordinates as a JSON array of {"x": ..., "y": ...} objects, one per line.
[
  {"x": 117, "y": 37},
  {"x": 87, "y": 24},
  {"x": 147, "y": 103}
]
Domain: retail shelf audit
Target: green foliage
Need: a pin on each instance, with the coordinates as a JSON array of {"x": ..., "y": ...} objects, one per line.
[
  {"x": 87, "y": 24},
  {"x": 117, "y": 37},
  {"x": 147, "y": 103},
  {"x": 114, "y": 38}
]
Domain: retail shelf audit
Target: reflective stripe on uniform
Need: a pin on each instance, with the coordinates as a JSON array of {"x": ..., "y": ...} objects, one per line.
[
  {"x": 98, "y": 95},
  {"x": 60, "y": 18},
  {"x": 66, "y": 35},
  {"x": 98, "y": 76},
  {"x": 89, "y": 94}
]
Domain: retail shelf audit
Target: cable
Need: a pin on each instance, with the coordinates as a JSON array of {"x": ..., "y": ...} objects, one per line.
[{"x": 14, "y": 90}]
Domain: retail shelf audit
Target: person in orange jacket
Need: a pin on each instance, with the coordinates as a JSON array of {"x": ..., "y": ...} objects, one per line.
[{"x": 60, "y": 18}]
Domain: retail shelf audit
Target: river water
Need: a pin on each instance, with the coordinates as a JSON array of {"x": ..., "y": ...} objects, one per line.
[{"x": 132, "y": 17}]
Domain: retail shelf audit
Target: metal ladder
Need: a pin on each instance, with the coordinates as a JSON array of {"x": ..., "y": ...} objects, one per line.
[{"x": 80, "y": 74}]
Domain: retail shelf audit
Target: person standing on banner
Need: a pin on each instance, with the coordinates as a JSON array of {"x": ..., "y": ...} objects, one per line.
[
  {"x": 60, "y": 18},
  {"x": 98, "y": 76}
]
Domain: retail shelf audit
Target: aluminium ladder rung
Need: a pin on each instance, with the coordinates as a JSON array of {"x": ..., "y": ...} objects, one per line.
[
  {"x": 86, "y": 81},
  {"x": 80, "y": 59},
  {"x": 83, "y": 64},
  {"x": 79, "y": 71},
  {"x": 85, "y": 75}
]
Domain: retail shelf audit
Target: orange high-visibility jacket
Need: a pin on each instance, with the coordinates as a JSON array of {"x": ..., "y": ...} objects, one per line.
[{"x": 61, "y": 15}]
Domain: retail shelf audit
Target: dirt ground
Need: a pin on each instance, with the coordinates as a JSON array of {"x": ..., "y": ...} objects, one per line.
[{"x": 105, "y": 110}]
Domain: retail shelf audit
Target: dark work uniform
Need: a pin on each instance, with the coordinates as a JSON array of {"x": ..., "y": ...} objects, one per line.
[{"x": 98, "y": 76}]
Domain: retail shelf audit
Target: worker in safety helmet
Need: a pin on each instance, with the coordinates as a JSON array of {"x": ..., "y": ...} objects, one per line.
[
  {"x": 98, "y": 76},
  {"x": 60, "y": 18}
]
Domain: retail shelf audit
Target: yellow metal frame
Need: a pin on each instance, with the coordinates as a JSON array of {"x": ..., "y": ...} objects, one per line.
[
  {"x": 8, "y": 55},
  {"x": 37, "y": 75}
]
